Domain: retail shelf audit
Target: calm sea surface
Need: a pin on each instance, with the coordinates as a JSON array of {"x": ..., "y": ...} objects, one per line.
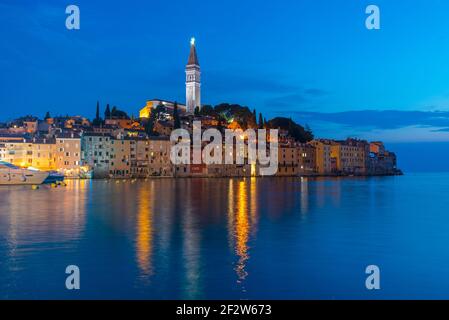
[{"x": 268, "y": 238}]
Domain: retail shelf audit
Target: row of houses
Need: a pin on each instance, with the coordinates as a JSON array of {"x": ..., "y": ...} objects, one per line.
[{"x": 124, "y": 156}]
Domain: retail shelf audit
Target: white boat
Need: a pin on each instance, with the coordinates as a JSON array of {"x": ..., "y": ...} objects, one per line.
[{"x": 13, "y": 175}]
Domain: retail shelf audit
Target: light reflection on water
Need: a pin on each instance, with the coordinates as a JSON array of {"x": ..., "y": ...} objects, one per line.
[{"x": 225, "y": 238}]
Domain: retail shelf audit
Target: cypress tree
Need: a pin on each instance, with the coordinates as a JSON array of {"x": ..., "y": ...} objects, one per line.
[
  {"x": 260, "y": 121},
  {"x": 97, "y": 115},
  {"x": 107, "y": 113}
]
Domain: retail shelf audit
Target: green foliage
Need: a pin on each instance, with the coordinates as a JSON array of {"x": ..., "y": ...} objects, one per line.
[
  {"x": 118, "y": 114},
  {"x": 295, "y": 130},
  {"x": 241, "y": 114},
  {"x": 149, "y": 125},
  {"x": 208, "y": 110}
]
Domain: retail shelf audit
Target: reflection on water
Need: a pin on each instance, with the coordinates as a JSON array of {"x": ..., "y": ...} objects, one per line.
[
  {"x": 226, "y": 238},
  {"x": 304, "y": 195},
  {"x": 45, "y": 221},
  {"x": 241, "y": 231},
  {"x": 144, "y": 235},
  {"x": 191, "y": 248}
]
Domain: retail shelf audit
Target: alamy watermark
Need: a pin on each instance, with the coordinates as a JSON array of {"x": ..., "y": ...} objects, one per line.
[
  {"x": 259, "y": 148},
  {"x": 372, "y": 22},
  {"x": 72, "y": 282},
  {"x": 73, "y": 21},
  {"x": 373, "y": 280}
]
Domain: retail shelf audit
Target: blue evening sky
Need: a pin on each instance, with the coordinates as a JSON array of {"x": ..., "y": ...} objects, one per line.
[{"x": 312, "y": 60}]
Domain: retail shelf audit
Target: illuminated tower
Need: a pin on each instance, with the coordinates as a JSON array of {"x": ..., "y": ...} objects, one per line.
[{"x": 193, "y": 80}]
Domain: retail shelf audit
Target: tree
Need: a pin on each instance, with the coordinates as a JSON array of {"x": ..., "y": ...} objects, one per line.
[
  {"x": 261, "y": 126},
  {"x": 309, "y": 134},
  {"x": 295, "y": 130},
  {"x": 47, "y": 116},
  {"x": 177, "y": 121},
  {"x": 197, "y": 111},
  {"x": 154, "y": 116},
  {"x": 107, "y": 113},
  {"x": 149, "y": 125},
  {"x": 207, "y": 110},
  {"x": 97, "y": 121},
  {"x": 97, "y": 115}
]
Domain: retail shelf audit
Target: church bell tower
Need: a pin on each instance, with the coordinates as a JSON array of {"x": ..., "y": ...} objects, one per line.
[{"x": 193, "y": 80}]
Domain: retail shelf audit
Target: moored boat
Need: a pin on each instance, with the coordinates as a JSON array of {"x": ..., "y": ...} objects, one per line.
[
  {"x": 13, "y": 175},
  {"x": 54, "y": 177}
]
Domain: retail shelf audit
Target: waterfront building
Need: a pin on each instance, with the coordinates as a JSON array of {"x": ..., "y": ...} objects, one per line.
[
  {"x": 159, "y": 157},
  {"x": 95, "y": 153},
  {"x": 139, "y": 157},
  {"x": 322, "y": 156},
  {"x": 37, "y": 153},
  {"x": 288, "y": 161},
  {"x": 351, "y": 156},
  {"x": 120, "y": 164},
  {"x": 381, "y": 161},
  {"x": 377, "y": 147},
  {"x": 68, "y": 154},
  {"x": 41, "y": 153},
  {"x": 306, "y": 155}
]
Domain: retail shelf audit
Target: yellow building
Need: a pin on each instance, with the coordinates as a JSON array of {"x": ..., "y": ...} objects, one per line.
[
  {"x": 322, "y": 156},
  {"x": 36, "y": 153},
  {"x": 43, "y": 155},
  {"x": 351, "y": 156},
  {"x": 145, "y": 112}
]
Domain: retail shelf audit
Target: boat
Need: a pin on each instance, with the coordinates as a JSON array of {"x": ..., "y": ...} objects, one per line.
[
  {"x": 54, "y": 177},
  {"x": 14, "y": 175}
]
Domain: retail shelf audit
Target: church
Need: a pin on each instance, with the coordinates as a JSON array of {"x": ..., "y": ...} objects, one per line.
[{"x": 193, "y": 88}]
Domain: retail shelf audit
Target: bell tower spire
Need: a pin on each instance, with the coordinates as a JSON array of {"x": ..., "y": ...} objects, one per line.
[{"x": 193, "y": 80}]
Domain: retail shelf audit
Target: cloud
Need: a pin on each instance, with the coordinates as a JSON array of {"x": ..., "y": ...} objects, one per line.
[
  {"x": 388, "y": 125},
  {"x": 388, "y": 119},
  {"x": 441, "y": 130}
]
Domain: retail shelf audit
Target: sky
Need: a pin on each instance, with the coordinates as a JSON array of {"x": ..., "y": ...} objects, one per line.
[{"x": 314, "y": 61}]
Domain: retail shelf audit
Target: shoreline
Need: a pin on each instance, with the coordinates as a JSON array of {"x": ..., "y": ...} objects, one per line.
[{"x": 244, "y": 177}]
